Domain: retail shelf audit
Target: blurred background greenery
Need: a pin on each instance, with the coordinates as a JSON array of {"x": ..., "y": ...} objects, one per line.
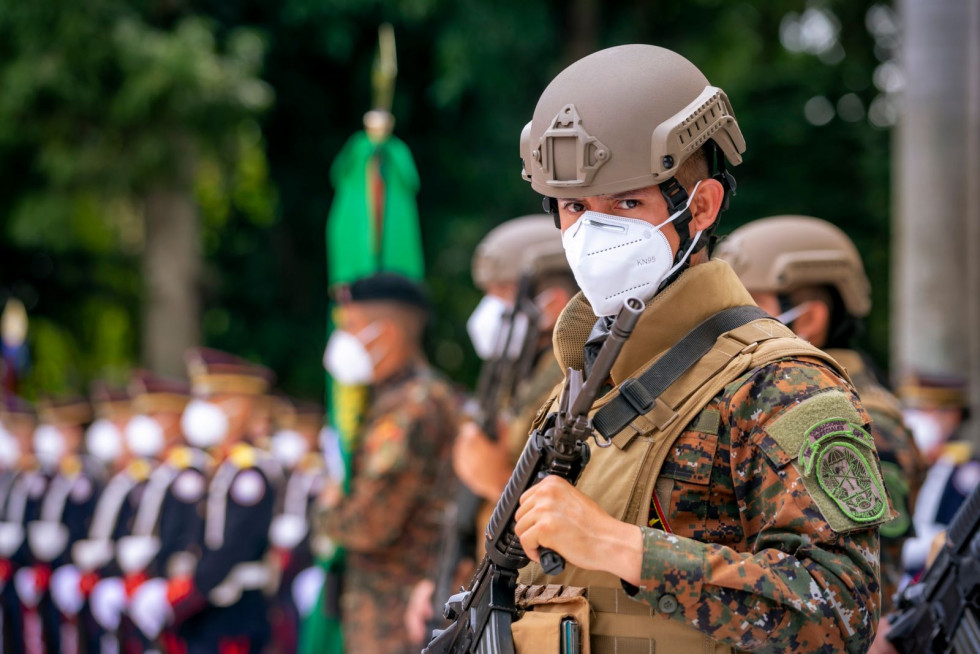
[{"x": 116, "y": 115}]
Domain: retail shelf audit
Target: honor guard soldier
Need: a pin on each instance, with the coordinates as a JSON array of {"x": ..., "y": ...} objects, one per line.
[
  {"x": 219, "y": 606},
  {"x": 17, "y": 419},
  {"x": 92, "y": 556},
  {"x": 935, "y": 408},
  {"x": 63, "y": 514},
  {"x": 294, "y": 446},
  {"x": 389, "y": 523},
  {"x": 808, "y": 274},
  {"x": 735, "y": 504},
  {"x": 168, "y": 523}
]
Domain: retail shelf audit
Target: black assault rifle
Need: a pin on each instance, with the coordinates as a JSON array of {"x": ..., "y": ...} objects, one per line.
[
  {"x": 941, "y": 613},
  {"x": 482, "y": 615}
]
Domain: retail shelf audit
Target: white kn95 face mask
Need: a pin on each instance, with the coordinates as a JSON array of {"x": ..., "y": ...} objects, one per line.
[{"x": 614, "y": 258}]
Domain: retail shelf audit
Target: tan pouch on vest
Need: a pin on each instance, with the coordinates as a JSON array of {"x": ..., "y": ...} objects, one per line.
[{"x": 539, "y": 629}]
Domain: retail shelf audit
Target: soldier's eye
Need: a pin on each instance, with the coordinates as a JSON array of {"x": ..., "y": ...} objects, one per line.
[
  {"x": 573, "y": 207},
  {"x": 628, "y": 204}
]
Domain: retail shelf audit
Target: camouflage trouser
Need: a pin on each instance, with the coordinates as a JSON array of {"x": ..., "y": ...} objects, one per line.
[{"x": 373, "y": 621}]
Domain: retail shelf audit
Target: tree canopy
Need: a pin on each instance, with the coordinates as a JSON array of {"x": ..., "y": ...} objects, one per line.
[{"x": 268, "y": 93}]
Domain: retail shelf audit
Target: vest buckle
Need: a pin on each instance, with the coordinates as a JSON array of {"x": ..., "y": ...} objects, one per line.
[{"x": 637, "y": 396}]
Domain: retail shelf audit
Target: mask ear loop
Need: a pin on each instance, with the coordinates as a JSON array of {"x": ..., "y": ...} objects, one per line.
[
  {"x": 370, "y": 334},
  {"x": 789, "y": 317},
  {"x": 679, "y": 203}
]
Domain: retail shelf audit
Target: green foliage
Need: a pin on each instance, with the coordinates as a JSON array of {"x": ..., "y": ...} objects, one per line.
[
  {"x": 103, "y": 103},
  {"x": 94, "y": 93}
]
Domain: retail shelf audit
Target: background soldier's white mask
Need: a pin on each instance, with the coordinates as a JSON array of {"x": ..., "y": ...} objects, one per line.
[
  {"x": 9, "y": 449},
  {"x": 613, "y": 257},
  {"x": 488, "y": 329},
  {"x": 49, "y": 446},
  {"x": 204, "y": 424},
  {"x": 104, "y": 441},
  {"x": 347, "y": 357},
  {"x": 144, "y": 436}
]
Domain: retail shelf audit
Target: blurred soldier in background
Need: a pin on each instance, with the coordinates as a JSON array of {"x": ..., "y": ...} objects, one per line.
[
  {"x": 21, "y": 480},
  {"x": 63, "y": 514},
  {"x": 168, "y": 525},
  {"x": 521, "y": 268},
  {"x": 294, "y": 446},
  {"x": 217, "y": 601},
  {"x": 88, "y": 558},
  {"x": 524, "y": 246},
  {"x": 936, "y": 407},
  {"x": 807, "y": 273},
  {"x": 389, "y": 523}
]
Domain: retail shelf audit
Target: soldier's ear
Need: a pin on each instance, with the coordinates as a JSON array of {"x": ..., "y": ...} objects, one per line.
[
  {"x": 813, "y": 323},
  {"x": 706, "y": 204}
]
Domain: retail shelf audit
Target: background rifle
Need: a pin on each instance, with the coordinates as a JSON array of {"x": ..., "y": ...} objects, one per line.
[
  {"x": 513, "y": 357},
  {"x": 482, "y": 615},
  {"x": 940, "y": 613}
]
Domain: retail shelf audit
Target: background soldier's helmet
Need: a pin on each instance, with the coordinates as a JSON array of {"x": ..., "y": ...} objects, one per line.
[
  {"x": 622, "y": 119},
  {"x": 784, "y": 253},
  {"x": 528, "y": 244}
]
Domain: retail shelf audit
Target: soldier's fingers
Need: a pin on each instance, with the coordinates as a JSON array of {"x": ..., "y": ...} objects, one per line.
[
  {"x": 533, "y": 498},
  {"x": 529, "y": 541}
]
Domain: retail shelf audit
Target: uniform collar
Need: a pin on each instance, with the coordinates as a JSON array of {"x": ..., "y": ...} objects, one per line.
[{"x": 411, "y": 371}]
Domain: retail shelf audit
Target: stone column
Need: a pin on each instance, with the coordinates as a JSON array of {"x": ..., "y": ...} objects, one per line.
[{"x": 936, "y": 194}]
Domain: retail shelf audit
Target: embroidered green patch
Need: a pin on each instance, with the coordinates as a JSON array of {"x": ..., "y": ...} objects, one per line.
[
  {"x": 898, "y": 490},
  {"x": 836, "y": 453}
]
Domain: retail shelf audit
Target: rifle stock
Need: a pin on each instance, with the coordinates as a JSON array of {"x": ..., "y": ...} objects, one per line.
[{"x": 482, "y": 615}]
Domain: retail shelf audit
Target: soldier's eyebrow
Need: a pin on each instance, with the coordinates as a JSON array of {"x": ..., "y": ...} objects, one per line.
[{"x": 626, "y": 194}]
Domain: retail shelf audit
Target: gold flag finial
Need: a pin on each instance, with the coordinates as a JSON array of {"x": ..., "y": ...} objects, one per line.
[{"x": 379, "y": 122}]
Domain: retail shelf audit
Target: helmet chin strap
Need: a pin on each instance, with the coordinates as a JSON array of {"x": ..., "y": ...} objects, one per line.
[{"x": 676, "y": 197}]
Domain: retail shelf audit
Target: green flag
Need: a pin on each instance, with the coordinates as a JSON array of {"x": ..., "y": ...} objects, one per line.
[
  {"x": 373, "y": 223},
  {"x": 372, "y": 226}
]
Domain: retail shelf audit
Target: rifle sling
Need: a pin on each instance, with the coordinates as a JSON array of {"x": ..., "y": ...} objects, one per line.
[{"x": 638, "y": 395}]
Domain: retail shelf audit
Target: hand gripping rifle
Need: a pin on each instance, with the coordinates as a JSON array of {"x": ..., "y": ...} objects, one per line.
[
  {"x": 482, "y": 615},
  {"x": 941, "y": 613}
]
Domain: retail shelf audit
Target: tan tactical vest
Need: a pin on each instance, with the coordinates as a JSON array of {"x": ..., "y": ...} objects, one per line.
[{"x": 622, "y": 478}]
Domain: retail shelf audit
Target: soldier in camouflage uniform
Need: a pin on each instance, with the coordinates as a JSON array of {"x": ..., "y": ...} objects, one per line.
[
  {"x": 528, "y": 246},
  {"x": 738, "y": 507},
  {"x": 389, "y": 522},
  {"x": 523, "y": 246},
  {"x": 809, "y": 274}
]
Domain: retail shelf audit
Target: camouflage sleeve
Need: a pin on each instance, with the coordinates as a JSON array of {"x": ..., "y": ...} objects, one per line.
[
  {"x": 387, "y": 487},
  {"x": 901, "y": 466},
  {"x": 801, "y": 586}
]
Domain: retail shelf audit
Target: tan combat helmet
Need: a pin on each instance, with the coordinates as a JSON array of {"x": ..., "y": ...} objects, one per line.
[
  {"x": 624, "y": 118},
  {"x": 528, "y": 244},
  {"x": 784, "y": 253}
]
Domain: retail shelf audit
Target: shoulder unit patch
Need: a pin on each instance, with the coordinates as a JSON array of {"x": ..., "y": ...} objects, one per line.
[
  {"x": 836, "y": 459},
  {"x": 837, "y": 453}
]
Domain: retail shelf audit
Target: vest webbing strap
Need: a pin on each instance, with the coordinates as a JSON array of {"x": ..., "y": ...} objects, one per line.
[{"x": 637, "y": 396}]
